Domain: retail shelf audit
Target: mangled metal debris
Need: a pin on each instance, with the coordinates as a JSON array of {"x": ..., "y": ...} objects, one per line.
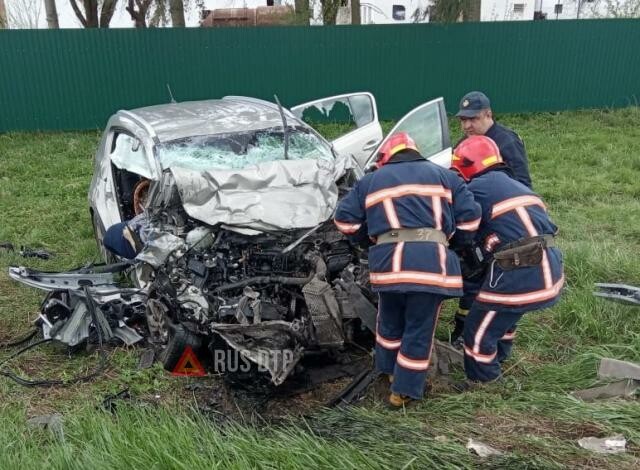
[
  {"x": 481, "y": 449},
  {"x": 613, "y": 369},
  {"x": 621, "y": 389},
  {"x": 267, "y": 300},
  {"x": 608, "y": 445},
  {"x": 52, "y": 423},
  {"x": 617, "y": 369},
  {"x": 621, "y": 293}
]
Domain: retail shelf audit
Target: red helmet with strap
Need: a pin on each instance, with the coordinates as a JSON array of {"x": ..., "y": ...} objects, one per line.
[
  {"x": 396, "y": 143},
  {"x": 474, "y": 155}
]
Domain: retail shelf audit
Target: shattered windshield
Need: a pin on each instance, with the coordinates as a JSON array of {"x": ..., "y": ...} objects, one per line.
[{"x": 240, "y": 150}]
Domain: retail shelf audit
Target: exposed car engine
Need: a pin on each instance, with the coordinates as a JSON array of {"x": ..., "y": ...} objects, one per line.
[{"x": 263, "y": 295}]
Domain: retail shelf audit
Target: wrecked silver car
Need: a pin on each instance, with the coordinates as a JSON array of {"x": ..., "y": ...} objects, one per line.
[{"x": 240, "y": 251}]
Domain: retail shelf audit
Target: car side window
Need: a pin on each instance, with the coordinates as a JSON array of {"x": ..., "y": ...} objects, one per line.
[
  {"x": 128, "y": 153},
  {"x": 425, "y": 118},
  {"x": 349, "y": 112}
]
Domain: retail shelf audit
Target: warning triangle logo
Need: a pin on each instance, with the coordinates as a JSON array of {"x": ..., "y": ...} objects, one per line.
[{"x": 189, "y": 365}]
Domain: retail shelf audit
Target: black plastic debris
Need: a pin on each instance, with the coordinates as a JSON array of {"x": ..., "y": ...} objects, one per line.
[
  {"x": 110, "y": 402},
  {"x": 27, "y": 252},
  {"x": 6, "y": 246}
]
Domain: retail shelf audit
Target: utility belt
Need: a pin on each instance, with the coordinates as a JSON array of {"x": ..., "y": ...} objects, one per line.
[
  {"x": 524, "y": 252},
  {"x": 422, "y": 234}
]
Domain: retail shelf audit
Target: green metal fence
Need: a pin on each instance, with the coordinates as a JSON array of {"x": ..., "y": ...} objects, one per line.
[{"x": 75, "y": 79}]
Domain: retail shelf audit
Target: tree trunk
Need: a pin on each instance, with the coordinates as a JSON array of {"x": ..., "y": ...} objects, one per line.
[
  {"x": 3, "y": 15},
  {"x": 139, "y": 15},
  {"x": 52, "y": 14},
  {"x": 355, "y": 12},
  {"x": 108, "y": 9},
  {"x": 302, "y": 11},
  {"x": 329, "y": 11},
  {"x": 176, "y": 8},
  {"x": 90, "y": 17}
]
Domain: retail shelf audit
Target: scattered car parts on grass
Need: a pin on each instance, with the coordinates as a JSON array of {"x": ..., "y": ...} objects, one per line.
[
  {"x": 241, "y": 255},
  {"x": 607, "y": 445},
  {"x": 27, "y": 252},
  {"x": 626, "y": 386},
  {"x": 622, "y": 293}
]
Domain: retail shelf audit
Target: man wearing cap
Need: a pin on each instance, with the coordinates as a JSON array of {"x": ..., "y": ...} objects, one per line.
[{"x": 476, "y": 118}]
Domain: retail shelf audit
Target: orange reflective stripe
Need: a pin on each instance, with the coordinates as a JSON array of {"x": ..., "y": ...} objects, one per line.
[
  {"x": 347, "y": 228},
  {"x": 416, "y": 277},
  {"x": 388, "y": 343},
  {"x": 436, "y": 204},
  {"x": 526, "y": 221},
  {"x": 482, "y": 329},
  {"x": 508, "y": 336},
  {"x": 413, "y": 364},
  {"x": 471, "y": 225},
  {"x": 546, "y": 271},
  {"x": 397, "y": 258},
  {"x": 490, "y": 242},
  {"x": 521, "y": 299},
  {"x": 390, "y": 212},
  {"x": 510, "y": 204},
  {"x": 483, "y": 358},
  {"x": 408, "y": 190}
]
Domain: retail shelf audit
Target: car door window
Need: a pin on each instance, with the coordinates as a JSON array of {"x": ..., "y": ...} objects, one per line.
[
  {"x": 348, "y": 112},
  {"x": 428, "y": 126},
  {"x": 128, "y": 153}
]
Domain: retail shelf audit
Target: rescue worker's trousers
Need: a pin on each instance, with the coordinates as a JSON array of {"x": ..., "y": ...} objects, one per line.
[
  {"x": 488, "y": 339},
  {"x": 404, "y": 338},
  {"x": 115, "y": 241}
]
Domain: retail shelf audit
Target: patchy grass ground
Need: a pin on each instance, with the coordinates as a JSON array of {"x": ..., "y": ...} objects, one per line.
[{"x": 585, "y": 165}]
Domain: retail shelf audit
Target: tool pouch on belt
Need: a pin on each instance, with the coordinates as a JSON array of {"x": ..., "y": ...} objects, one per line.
[{"x": 521, "y": 256}]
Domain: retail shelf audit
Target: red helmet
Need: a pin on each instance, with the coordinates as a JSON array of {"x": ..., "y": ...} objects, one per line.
[
  {"x": 474, "y": 155},
  {"x": 397, "y": 142}
]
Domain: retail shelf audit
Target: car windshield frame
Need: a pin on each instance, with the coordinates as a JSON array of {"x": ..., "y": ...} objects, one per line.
[{"x": 245, "y": 148}]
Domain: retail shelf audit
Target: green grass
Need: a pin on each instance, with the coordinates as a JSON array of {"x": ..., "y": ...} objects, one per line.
[{"x": 586, "y": 165}]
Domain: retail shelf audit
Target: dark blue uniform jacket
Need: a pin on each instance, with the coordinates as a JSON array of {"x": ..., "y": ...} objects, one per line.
[
  {"x": 510, "y": 212},
  {"x": 410, "y": 194},
  {"x": 512, "y": 151}
]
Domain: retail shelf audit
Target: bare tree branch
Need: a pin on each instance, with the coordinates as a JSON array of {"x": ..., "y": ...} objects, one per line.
[
  {"x": 78, "y": 13},
  {"x": 139, "y": 15},
  {"x": 108, "y": 9},
  {"x": 23, "y": 14}
]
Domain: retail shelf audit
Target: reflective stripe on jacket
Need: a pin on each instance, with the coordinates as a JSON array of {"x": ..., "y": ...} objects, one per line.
[
  {"x": 510, "y": 212},
  {"x": 410, "y": 193}
]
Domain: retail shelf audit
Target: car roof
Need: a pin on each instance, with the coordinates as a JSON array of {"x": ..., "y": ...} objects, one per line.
[{"x": 230, "y": 114}]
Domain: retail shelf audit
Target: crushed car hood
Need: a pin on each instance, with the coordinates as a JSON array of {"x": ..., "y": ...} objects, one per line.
[{"x": 278, "y": 195}]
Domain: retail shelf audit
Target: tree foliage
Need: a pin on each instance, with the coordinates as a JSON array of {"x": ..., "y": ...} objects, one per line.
[
  {"x": 615, "y": 8},
  {"x": 451, "y": 11}
]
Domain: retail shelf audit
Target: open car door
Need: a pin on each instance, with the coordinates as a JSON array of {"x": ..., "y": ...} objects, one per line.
[
  {"x": 356, "y": 111},
  {"x": 428, "y": 126}
]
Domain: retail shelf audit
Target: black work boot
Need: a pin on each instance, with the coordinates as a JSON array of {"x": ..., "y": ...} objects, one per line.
[{"x": 458, "y": 328}]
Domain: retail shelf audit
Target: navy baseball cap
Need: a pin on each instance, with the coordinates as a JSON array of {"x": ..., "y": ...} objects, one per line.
[{"x": 472, "y": 103}]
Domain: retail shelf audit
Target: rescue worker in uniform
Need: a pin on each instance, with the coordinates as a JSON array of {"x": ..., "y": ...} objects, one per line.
[
  {"x": 410, "y": 208},
  {"x": 476, "y": 118},
  {"x": 524, "y": 270}
]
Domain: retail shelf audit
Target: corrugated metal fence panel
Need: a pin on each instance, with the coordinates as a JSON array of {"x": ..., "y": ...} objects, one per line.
[{"x": 75, "y": 79}]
